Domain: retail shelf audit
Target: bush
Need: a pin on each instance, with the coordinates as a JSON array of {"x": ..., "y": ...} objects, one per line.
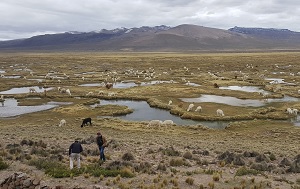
[
  {"x": 127, "y": 156},
  {"x": 3, "y": 165},
  {"x": 245, "y": 171},
  {"x": 170, "y": 152},
  {"x": 188, "y": 155},
  {"x": 190, "y": 181},
  {"x": 272, "y": 157},
  {"x": 177, "y": 162}
]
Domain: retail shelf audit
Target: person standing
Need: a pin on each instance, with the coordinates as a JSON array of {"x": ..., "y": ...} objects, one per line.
[
  {"x": 74, "y": 153},
  {"x": 101, "y": 142}
]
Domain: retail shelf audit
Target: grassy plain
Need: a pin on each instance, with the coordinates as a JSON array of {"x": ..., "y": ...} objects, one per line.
[{"x": 247, "y": 154}]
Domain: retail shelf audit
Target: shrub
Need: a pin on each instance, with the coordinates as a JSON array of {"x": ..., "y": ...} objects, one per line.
[
  {"x": 190, "y": 181},
  {"x": 39, "y": 151},
  {"x": 188, "y": 155},
  {"x": 245, "y": 171},
  {"x": 161, "y": 167},
  {"x": 174, "y": 182},
  {"x": 127, "y": 156},
  {"x": 170, "y": 152},
  {"x": 3, "y": 165},
  {"x": 272, "y": 157},
  {"x": 216, "y": 177},
  {"x": 176, "y": 162}
]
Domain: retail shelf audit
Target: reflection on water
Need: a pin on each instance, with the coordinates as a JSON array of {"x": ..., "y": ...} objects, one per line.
[
  {"x": 11, "y": 108},
  {"x": 250, "y": 89},
  {"x": 143, "y": 112},
  {"x": 233, "y": 101},
  {"x": 22, "y": 90},
  {"x": 296, "y": 120}
]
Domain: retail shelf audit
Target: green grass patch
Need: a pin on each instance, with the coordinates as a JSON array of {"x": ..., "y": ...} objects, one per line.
[
  {"x": 58, "y": 170},
  {"x": 245, "y": 171}
]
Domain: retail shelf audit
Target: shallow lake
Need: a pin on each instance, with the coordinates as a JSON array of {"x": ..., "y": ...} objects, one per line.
[
  {"x": 22, "y": 90},
  {"x": 250, "y": 89},
  {"x": 12, "y": 76},
  {"x": 233, "y": 101},
  {"x": 143, "y": 112},
  {"x": 11, "y": 108}
]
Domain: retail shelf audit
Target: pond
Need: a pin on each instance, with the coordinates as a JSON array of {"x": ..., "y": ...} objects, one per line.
[
  {"x": 233, "y": 101},
  {"x": 278, "y": 81},
  {"x": 250, "y": 89},
  {"x": 11, "y": 108},
  {"x": 296, "y": 120},
  {"x": 143, "y": 112},
  {"x": 12, "y": 76},
  {"x": 22, "y": 90}
]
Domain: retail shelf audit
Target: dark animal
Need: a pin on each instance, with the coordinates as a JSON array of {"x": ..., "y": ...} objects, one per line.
[
  {"x": 86, "y": 121},
  {"x": 109, "y": 85},
  {"x": 216, "y": 85}
]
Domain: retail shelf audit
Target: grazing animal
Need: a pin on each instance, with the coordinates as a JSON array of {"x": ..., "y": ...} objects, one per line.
[
  {"x": 68, "y": 92},
  {"x": 198, "y": 109},
  {"x": 295, "y": 111},
  {"x": 170, "y": 102},
  {"x": 111, "y": 94},
  {"x": 86, "y": 121},
  {"x": 168, "y": 122},
  {"x": 216, "y": 85},
  {"x": 32, "y": 90},
  {"x": 190, "y": 107},
  {"x": 155, "y": 123},
  {"x": 61, "y": 90},
  {"x": 289, "y": 111},
  {"x": 89, "y": 93},
  {"x": 109, "y": 85},
  {"x": 220, "y": 112},
  {"x": 62, "y": 122}
]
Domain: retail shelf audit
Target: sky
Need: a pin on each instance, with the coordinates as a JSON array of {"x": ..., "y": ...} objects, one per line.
[{"x": 26, "y": 18}]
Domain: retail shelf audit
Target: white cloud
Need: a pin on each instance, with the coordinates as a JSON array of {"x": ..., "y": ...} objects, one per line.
[{"x": 33, "y": 16}]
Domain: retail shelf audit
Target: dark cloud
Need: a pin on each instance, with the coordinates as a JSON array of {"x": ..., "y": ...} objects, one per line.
[{"x": 32, "y": 16}]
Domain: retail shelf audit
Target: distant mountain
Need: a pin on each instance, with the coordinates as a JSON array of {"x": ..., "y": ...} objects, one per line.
[{"x": 161, "y": 38}]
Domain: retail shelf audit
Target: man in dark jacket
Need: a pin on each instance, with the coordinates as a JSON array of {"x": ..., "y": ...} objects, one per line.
[{"x": 74, "y": 152}]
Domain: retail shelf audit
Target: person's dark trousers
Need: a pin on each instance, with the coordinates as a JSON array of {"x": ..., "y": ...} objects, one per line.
[{"x": 102, "y": 156}]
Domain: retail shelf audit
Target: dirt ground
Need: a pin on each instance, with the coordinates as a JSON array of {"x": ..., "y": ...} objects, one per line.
[{"x": 260, "y": 141}]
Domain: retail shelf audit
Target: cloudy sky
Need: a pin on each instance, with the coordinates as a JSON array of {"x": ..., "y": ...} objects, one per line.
[{"x": 26, "y": 18}]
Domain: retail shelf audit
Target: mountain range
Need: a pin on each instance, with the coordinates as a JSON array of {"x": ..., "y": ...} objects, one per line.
[{"x": 161, "y": 38}]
